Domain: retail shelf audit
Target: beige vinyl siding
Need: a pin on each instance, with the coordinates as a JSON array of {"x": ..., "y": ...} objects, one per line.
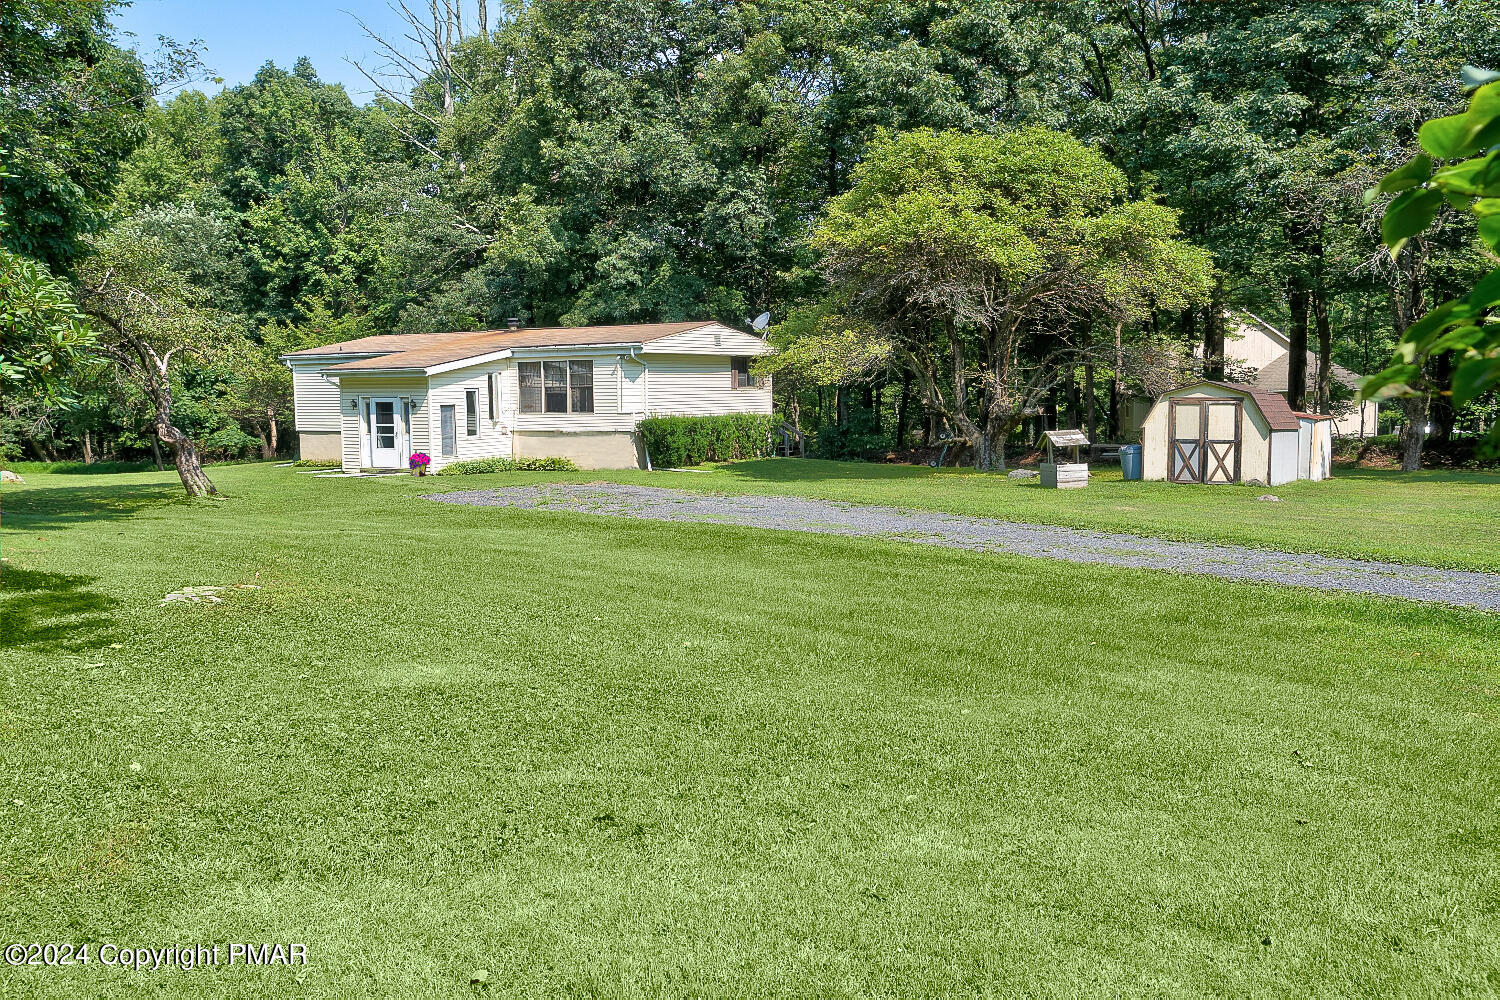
[
  {"x": 689, "y": 385},
  {"x": 353, "y": 389},
  {"x": 1253, "y": 345},
  {"x": 315, "y": 398},
  {"x": 448, "y": 389},
  {"x": 711, "y": 339}
]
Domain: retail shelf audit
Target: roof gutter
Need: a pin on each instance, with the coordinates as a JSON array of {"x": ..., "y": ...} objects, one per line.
[
  {"x": 373, "y": 371},
  {"x": 347, "y": 355}
]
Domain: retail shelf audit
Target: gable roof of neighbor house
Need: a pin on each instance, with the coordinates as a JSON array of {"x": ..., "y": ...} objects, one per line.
[
  {"x": 1277, "y": 374},
  {"x": 421, "y": 351},
  {"x": 1273, "y": 406}
]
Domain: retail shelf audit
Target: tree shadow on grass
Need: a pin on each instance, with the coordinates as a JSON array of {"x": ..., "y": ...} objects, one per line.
[
  {"x": 51, "y": 611},
  {"x": 42, "y": 508}
]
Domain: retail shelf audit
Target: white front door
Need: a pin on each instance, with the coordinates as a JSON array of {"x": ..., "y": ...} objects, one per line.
[{"x": 386, "y": 434}]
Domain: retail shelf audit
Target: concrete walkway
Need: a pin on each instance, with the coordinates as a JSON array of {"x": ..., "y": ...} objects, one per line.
[{"x": 1418, "y": 583}]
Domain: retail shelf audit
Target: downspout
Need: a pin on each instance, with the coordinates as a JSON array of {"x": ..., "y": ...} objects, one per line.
[{"x": 644, "y": 450}]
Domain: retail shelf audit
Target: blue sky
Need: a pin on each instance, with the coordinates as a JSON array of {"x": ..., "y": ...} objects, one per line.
[{"x": 241, "y": 36}]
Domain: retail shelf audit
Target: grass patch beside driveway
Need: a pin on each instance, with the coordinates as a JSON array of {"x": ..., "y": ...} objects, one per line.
[{"x": 660, "y": 759}]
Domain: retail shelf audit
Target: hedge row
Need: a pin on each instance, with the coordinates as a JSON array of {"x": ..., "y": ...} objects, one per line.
[
  {"x": 475, "y": 466},
  {"x": 679, "y": 441}
]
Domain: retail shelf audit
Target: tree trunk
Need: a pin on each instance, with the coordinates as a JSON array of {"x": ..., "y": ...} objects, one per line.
[
  {"x": 156, "y": 453},
  {"x": 1441, "y": 416},
  {"x": 1117, "y": 388},
  {"x": 184, "y": 454},
  {"x": 960, "y": 384},
  {"x": 1296, "y": 379},
  {"x": 88, "y": 449},
  {"x": 990, "y": 450},
  {"x": 1325, "y": 352},
  {"x": 1070, "y": 392},
  {"x": 1213, "y": 336},
  {"x": 271, "y": 426},
  {"x": 266, "y": 451},
  {"x": 1415, "y": 410},
  {"x": 1090, "y": 414},
  {"x": 185, "y": 457},
  {"x": 903, "y": 402},
  {"x": 484, "y": 18}
]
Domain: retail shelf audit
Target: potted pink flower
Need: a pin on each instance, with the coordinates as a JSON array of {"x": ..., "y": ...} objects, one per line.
[{"x": 419, "y": 462}]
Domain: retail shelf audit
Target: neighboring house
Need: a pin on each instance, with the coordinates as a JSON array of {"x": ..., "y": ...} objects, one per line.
[
  {"x": 1214, "y": 432},
  {"x": 569, "y": 392},
  {"x": 1253, "y": 343}
]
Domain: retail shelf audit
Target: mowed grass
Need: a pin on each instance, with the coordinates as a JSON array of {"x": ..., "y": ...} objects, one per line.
[
  {"x": 1429, "y": 518},
  {"x": 618, "y": 758}
]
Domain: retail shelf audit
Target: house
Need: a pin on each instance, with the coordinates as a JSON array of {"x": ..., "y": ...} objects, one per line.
[
  {"x": 1252, "y": 343},
  {"x": 1215, "y": 432},
  {"x": 569, "y": 392}
]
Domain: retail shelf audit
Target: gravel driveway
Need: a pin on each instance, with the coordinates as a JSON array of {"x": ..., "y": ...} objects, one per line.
[{"x": 1418, "y": 583}]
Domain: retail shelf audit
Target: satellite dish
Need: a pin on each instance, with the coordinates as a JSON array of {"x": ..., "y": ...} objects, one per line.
[{"x": 761, "y": 322}]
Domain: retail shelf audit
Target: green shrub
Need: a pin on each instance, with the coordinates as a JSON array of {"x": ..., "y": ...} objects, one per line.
[
  {"x": 475, "y": 466},
  {"x": 679, "y": 441},
  {"x": 307, "y": 463}
]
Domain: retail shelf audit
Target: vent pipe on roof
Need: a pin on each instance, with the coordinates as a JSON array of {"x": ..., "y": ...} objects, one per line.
[{"x": 513, "y": 323}]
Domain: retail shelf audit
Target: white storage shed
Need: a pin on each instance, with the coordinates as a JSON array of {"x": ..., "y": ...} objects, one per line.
[{"x": 1214, "y": 432}]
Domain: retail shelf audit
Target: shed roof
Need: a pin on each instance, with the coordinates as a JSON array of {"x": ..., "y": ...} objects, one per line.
[
  {"x": 424, "y": 350},
  {"x": 1273, "y": 406},
  {"x": 1066, "y": 438}
]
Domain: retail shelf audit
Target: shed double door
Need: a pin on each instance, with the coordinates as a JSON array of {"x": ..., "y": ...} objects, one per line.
[{"x": 1204, "y": 442}]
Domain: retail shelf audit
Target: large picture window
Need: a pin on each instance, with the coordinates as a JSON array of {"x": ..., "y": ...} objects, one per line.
[{"x": 556, "y": 386}]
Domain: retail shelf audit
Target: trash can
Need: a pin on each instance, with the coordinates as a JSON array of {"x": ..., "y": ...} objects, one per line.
[{"x": 1130, "y": 461}]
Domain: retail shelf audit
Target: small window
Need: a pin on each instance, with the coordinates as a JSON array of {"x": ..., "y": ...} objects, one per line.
[
  {"x": 555, "y": 386},
  {"x": 581, "y": 386},
  {"x": 471, "y": 412},
  {"x": 739, "y": 369},
  {"x": 530, "y": 374},
  {"x": 450, "y": 431},
  {"x": 494, "y": 387}
]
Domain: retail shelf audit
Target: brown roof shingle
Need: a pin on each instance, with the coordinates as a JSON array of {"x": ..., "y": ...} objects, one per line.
[
  {"x": 1277, "y": 374},
  {"x": 425, "y": 350}
]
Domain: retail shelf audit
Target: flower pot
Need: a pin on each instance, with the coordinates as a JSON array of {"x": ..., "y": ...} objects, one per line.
[{"x": 420, "y": 470}]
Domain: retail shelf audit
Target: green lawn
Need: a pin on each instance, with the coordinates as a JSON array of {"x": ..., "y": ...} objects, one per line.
[{"x": 626, "y": 758}]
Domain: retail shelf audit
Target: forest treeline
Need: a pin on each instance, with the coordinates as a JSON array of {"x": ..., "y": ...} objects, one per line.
[{"x": 576, "y": 163}]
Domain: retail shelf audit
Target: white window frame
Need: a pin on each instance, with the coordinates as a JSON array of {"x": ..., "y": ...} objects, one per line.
[{"x": 567, "y": 364}]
